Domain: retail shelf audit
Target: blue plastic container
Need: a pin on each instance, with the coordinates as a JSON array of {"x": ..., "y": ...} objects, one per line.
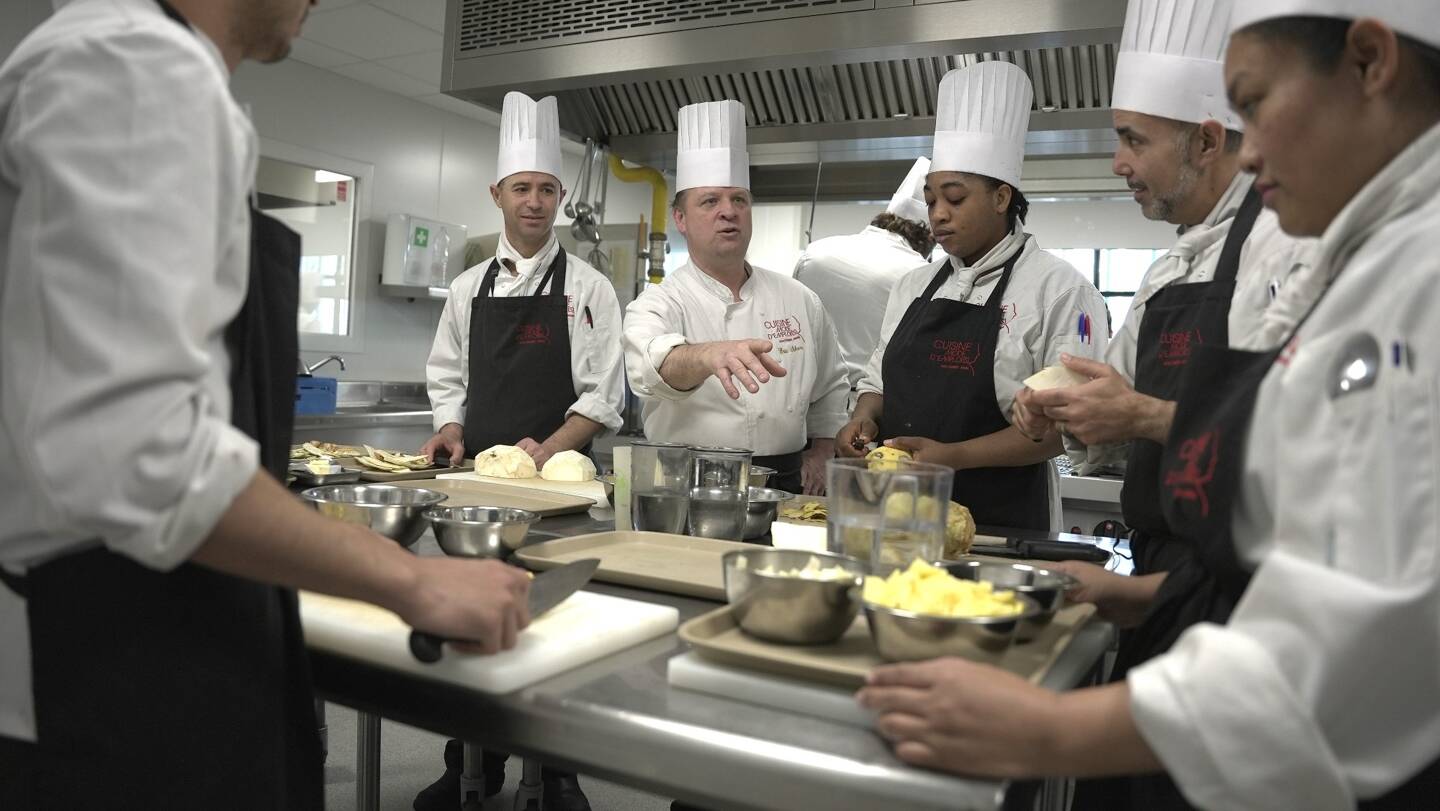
[{"x": 315, "y": 395}]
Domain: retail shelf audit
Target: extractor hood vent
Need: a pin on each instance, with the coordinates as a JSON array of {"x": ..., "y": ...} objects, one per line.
[{"x": 492, "y": 25}]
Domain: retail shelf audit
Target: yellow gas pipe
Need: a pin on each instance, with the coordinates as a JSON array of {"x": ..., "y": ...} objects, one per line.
[{"x": 659, "y": 201}]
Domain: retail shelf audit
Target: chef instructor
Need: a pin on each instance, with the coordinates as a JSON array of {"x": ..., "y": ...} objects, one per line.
[
  {"x": 960, "y": 335},
  {"x": 527, "y": 351},
  {"x": 148, "y": 555},
  {"x": 725, "y": 353}
]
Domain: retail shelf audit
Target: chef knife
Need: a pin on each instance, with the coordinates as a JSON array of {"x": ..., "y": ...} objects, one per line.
[
  {"x": 547, "y": 590},
  {"x": 1043, "y": 550}
]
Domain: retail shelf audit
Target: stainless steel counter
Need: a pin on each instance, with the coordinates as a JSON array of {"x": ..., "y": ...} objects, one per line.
[{"x": 619, "y": 719}]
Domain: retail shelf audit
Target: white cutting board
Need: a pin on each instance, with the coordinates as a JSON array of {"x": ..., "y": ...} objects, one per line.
[
  {"x": 690, "y": 672},
  {"x": 593, "y": 490},
  {"x": 583, "y": 628}
]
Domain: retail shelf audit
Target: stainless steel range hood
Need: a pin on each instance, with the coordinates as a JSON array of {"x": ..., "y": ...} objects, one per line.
[{"x": 850, "y": 83}]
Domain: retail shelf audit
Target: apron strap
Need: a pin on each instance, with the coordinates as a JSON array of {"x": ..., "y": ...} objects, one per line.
[
  {"x": 15, "y": 582},
  {"x": 554, "y": 276},
  {"x": 1245, "y": 218}
]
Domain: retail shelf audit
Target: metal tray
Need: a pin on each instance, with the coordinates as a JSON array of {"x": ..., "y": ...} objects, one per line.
[
  {"x": 302, "y": 474},
  {"x": 466, "y": 493},
  {"x": 844, "y": 663},
  {"x": 675, "y": 564}
]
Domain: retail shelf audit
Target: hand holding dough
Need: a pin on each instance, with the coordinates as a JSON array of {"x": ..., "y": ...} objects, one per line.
[{"x": 1055, "y": 377}]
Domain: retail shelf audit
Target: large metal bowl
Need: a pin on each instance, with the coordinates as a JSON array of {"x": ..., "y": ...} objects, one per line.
[
  {"x": 398, "y": 513},
  {"x": 764, "y": 503},
  {"x": 1045, "y": 586},
  {"x": 791, "y": 610},
  {"x": 903, "y": 636},
  {"x": 480, "y": 532}
]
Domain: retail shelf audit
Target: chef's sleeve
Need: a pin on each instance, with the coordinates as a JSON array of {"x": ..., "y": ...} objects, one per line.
[
  {"x": 1121, "y": 355},
  {"x": 828, "y": 400},
  {"x": 599, "y": 364},
  {"x": 872, "y": 378},
  {"x": 444, "y": 369},
  {"x": 115, "y": 250},
  {"x": 1321, "y": 690},
  {"x": 653, "y": 326}
]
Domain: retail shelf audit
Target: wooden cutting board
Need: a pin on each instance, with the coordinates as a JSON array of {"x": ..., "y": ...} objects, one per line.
[
  {"x": 463, "y": 493},
  {"x": 582, "y": 629},
  {"x": 844, "y": 663},
  {"x": 675, "y": 564},
  {"x": 593, "y": 490}
]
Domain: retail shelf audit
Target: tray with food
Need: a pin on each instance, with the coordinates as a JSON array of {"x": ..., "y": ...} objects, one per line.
[
  {"x": 819, "y": 618},
  {"x": 676, "y": 564},
  {"x": 569, "y": 472}
]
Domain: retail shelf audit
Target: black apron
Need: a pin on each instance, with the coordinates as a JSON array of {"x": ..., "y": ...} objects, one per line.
[
  {"x": 520, "y": 380},
  {"x": 190, "y": 688},
  {"x": 939, "y": 381}
]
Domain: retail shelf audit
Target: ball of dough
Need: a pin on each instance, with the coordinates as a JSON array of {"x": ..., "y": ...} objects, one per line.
[
  {"x": 569, "y": 466},
  {"x": 505, "y": 462},
  {"x": 886, "y": 458}
]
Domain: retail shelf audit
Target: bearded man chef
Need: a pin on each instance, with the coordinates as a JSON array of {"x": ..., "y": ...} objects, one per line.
[
  {"x": 1180, "y": 150},
  {"x": 147, "y": 354},
  {"x": 718, "y": 325},
  {"x": 527, "y": 352},
  {"x": 1319, "y": 693},
  {"x": 853, "y": 273},
  {"x": 959, "y": 336}
]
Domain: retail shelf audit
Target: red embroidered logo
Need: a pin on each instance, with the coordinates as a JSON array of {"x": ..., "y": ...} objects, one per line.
[
  {"x": 1175, "y": 347},
  {"x": 532, "y": 334},
  {"x": 955, "y": 355},
  {"x": 782, "y": 330},
  {"x": 1008, "y": 312},
  {"x": 1190, "y": 483}
]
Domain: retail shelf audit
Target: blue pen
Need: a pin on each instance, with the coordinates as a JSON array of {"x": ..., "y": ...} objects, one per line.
[{"x": 1395, "y": 354}]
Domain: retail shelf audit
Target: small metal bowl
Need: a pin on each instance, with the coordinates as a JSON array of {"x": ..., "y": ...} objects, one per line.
[
  {"x": 398, "y": 513},
  {"x": 903, "y": 636},
  {"x": 1045, "y": 586},
  {"x": 480, "y": 532},
  {"x": 760, "y": 475},
  {"x": 764, "y": 503},
  {"x": 791, "y": 610},
  {"x": 608, "y": 481}
]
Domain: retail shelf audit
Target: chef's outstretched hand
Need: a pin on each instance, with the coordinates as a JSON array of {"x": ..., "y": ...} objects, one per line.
[
  {"x": 480, "y": 600},
  {"x": 747, "y": 361},
  {"x": 962, "y": 717},
  {"x": 448, "y": 441},
  {"x": 1103, "y": 411},
  {"x": 854, "y": 436},
  {"x": 923, "y": 449}
]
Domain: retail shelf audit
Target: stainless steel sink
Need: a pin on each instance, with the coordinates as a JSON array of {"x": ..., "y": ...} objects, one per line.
[
  {"x": 380, "y": 397},
  {"x": 379, "y": 413},
  {"x": 382, "y": 408}
]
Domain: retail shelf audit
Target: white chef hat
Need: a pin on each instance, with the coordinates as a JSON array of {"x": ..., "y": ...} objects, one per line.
[
  {"x": 529, "y": 136},
  {"x": 1170, "y": 61},
  {"x": 981, "y": 119},
  {"x": 908, "y": 203},
  {"x": 712, "y": 146},
  {"x": 1418, "y": 19}
]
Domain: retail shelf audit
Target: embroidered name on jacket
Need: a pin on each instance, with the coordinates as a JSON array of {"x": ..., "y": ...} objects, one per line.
[
  {"x": 782, "y": 330},
  {"x": 532, "y": 334},
  {"x": 1192, "y": 482},
  {"x": 961, "y": 355},
  {"x": 1175, "y": 347}
]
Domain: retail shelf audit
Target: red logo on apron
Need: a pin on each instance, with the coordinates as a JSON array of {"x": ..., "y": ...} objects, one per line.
[
  {"x": 1200, "y": 456},
  {"x": 532, "y": 334},
  {"x": 955, "y": 355},
  {"x": 1008, "y": 312},
  {"x": 782, "y": 330},
  {"x": 1175, "y": 347}
]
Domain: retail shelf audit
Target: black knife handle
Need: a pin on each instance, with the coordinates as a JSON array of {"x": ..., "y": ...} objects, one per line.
[
  {"x": 1063, "y": 550},
  {"x": 426, "y": 647}
]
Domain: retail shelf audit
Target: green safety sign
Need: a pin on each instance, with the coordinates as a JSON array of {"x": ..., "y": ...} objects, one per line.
[{"x": 422, "y": 237}]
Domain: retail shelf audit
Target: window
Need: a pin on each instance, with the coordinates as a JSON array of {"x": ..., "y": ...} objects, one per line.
[
  {"x": 1115, "y": 272},
  {"x": 319, "y": 204}
]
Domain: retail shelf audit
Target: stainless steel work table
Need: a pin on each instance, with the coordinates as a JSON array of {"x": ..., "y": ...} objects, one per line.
[{"x": 619, "y": 719}]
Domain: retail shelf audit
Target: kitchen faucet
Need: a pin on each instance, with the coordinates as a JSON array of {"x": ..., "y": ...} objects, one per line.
[{"x": 310, "y": 370}]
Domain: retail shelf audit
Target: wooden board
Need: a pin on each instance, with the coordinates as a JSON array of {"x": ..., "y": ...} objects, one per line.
[
  {"x": 462, "y": 493},
  {"x": 675, "y": 564},
  {"x": 370, "y": 474},
  {"x": 844, "y": 663},
  {"x": 593, "y": 490}
]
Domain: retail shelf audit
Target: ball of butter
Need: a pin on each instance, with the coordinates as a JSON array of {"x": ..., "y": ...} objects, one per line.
[
  {"x": 1054, "y": 377},
  {"x": 505, "y": 462},
  {"x": 569, "y": 466}
]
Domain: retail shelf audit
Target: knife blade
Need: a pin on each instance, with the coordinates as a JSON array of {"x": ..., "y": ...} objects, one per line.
[{"x": 547, "y": 590}]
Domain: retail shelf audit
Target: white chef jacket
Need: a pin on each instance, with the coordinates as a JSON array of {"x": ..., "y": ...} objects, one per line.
[
  {"x": 852, "y": 274},
  {"x": 124, "y": 253},
  {"x": 690, "y": 307},
  {"x": 1043, "y": 303},
  {"x": 1269, "y": 260},
  {"x": 1322, "y": 688},
  {"x": 595, "y": 359}
]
